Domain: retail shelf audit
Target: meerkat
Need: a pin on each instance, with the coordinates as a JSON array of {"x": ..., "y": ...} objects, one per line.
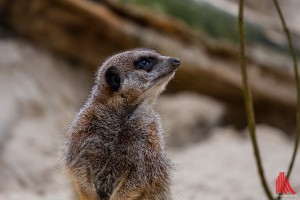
[{"x": 115, "y": 148}]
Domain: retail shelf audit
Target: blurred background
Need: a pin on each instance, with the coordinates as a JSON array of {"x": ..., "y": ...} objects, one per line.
[{"x": 49, "y": 51}]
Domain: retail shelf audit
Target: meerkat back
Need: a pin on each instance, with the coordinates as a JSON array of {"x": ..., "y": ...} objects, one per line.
[{"x": 115, "y": 147}]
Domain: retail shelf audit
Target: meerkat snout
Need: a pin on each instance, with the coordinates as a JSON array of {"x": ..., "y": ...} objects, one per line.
[{"x": 175, "y": 62}]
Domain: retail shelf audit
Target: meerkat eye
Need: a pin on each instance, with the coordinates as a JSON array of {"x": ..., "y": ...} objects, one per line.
[{"x": 145, "y": 63}]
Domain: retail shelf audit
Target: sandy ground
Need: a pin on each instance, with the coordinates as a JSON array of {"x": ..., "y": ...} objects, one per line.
[
  {"x": 40, "y": 95},
  {"x": 223, "y": 166}
]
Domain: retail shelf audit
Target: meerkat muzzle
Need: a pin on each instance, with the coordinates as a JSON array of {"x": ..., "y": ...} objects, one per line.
[{"x": 175, "y": 62}]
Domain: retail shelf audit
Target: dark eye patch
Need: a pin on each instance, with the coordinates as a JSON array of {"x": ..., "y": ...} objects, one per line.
[{"x": 145, "y": 63}]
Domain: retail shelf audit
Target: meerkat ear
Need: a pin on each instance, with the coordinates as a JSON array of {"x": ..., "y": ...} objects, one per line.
[{"x": 112, "y": 78}]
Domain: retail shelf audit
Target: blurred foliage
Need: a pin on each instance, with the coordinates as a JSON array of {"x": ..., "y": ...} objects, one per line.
[{"x": 210, "y": 20}]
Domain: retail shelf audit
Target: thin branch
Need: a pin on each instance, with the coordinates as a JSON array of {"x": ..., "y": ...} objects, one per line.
[
  {"x": 248, "y": 100},
  {"x": 294, "y": 58}
]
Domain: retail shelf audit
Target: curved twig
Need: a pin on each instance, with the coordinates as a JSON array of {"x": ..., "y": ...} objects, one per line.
[
  {"x": 294, "y": 58},
  {"x": 248, "y": 100}
]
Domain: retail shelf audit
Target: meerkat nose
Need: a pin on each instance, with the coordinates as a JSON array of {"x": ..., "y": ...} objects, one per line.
[{"x": 175, "y": 61}]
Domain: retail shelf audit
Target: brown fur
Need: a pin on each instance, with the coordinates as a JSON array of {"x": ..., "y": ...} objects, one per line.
[{"x": 115, "y": 148}]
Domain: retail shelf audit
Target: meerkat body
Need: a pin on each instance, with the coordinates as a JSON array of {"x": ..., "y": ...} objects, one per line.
[{"x": 115, "y": 148}]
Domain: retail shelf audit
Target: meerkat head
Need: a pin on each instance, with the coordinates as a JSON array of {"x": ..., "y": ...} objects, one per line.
[{"x": 135, "y": 75}]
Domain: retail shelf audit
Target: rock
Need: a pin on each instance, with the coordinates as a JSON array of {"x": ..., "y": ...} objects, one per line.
[
  {"x": 189, "y": 117},
  {"x": 89, "y": 31}
]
